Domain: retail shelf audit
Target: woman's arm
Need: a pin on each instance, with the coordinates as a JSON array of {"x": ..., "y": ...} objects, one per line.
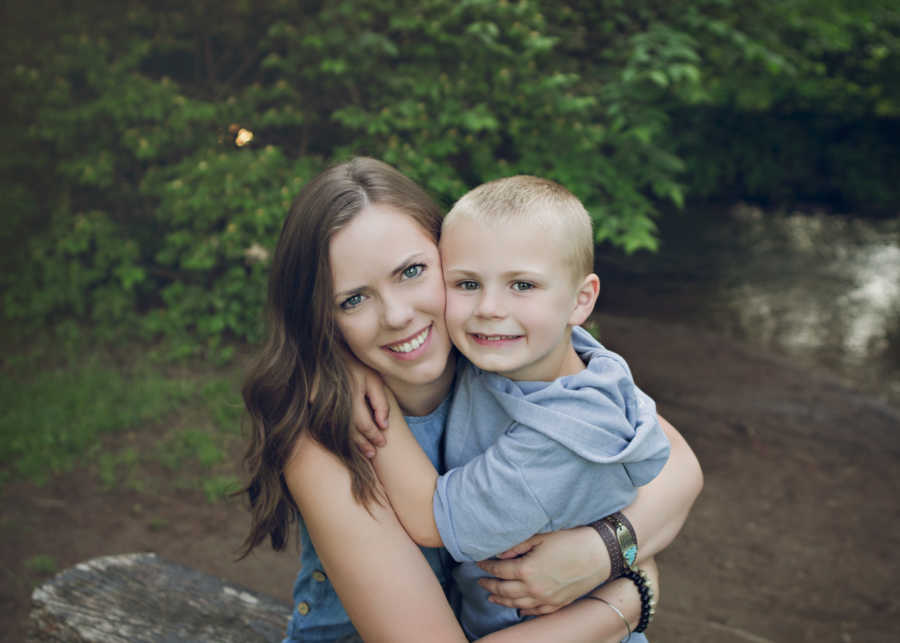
[
  {"x": 586, "y": 620},
  {"x": 554, "y": 569},
  {"x": 384, "y": 582},
  {"x": 662, "y": 505}
]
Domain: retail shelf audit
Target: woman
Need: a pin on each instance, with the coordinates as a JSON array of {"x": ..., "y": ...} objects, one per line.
[{"x": 303, "y": 461}]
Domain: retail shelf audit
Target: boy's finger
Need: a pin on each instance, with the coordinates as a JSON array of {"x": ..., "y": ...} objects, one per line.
[
  {"x": 364, "y": 446},
  {"x": 380, "y": 407},
  {"x": 367, "y": 427}
]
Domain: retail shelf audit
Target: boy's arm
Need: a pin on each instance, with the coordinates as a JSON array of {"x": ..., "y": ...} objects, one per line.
[
  {"x": 370, "y": 404},
  {"x": 554, "y": 569},
  {"x": 497, "y": 499},
  {"x": 409, "y": 479},
  {"x": 543, "y": 472}
]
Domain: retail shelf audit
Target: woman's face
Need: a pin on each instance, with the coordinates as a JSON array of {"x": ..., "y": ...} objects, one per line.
[{"x": 389, "y": 296}]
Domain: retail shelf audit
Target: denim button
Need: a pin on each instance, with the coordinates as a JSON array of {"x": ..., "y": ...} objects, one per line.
[
  {"x": 318, "y": 576},
  {"x": 303, "y": 608}
]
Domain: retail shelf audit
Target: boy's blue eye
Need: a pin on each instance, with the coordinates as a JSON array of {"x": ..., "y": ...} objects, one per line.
[
  {"x": 522, "y": 285},
  {"x": 468, "y": 284},
  {"x": 352, "y": 302},
  {"x": 413, "y": 271}
]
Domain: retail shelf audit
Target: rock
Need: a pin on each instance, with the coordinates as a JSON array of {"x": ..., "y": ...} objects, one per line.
[{"x": 142, "y": 597}]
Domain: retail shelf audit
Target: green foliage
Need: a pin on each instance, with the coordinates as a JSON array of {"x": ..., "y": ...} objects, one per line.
[
  {"x": 801, "y": 103},
  {"x": 784, "y": 160},
  {"x": 218, "y": 488},
  {"x": 52, "y": 416},
  {"x": 42, "y": 564},
  {"x": 198, "y": 455},
  {"x": 80, "y": 267},
  {"x": 154, "y": 151},
  {"x": 62, "y": 405},
  {"x": 190, "y": 445},
  {"x": 116, "y": 467},
  {"x": 224, "y": 405}
]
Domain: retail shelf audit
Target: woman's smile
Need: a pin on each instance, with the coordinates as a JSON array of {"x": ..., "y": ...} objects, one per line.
[{"x": 411, "y": 347}]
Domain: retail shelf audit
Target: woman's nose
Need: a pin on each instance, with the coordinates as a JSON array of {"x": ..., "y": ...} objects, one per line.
[{"x": 397, "y": 312}]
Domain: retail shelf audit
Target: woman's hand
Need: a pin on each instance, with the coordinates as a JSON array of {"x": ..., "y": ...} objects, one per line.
[
  {"x": 370, "y": 406},
  {"x": 547, "y": 571},
  {"x": 586, "y": 620}
]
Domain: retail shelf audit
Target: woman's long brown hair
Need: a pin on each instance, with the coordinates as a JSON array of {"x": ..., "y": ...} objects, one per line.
[{"x": 303, "y": 343}]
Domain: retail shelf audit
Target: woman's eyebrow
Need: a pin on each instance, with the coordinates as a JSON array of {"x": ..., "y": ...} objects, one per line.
[
  {"x": 347, "y": 293},
  {"x": 403, "y": 265}
]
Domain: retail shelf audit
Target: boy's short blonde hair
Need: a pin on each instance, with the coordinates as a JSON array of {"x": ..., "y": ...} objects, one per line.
[{"x": 534, "y": 200}]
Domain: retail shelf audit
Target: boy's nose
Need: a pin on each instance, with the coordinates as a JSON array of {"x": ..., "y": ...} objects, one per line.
[{"x": 489, "y": 305}]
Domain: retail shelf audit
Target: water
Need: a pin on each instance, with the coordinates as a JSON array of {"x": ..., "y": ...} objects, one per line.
[{"x": 821, "y": 288}]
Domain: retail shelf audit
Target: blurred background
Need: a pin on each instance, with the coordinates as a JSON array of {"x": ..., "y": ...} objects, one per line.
[{"x": 740, "y": 160}]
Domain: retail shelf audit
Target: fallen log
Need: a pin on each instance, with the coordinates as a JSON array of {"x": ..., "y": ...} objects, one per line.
[{"x": 142, "y": 597}]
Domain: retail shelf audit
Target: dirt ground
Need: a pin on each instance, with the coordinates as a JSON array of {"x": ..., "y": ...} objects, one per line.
[{"x": 795, "y": 536}]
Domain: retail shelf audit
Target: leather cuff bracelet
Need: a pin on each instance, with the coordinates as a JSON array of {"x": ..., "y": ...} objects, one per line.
[
  {"x": 625, "y": 536},
  {"x": 616, "y": 560}
]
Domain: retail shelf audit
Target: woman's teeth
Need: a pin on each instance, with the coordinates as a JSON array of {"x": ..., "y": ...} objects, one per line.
[{"x": 411, "y": 345}]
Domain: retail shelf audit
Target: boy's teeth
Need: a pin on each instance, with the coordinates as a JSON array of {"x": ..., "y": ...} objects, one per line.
[{"x": 411, "y": 345}]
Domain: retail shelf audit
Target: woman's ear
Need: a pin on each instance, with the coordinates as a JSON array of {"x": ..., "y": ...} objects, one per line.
[{"x": 585, "y": 298}]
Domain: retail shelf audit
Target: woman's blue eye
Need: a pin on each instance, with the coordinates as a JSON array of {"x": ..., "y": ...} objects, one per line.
[
  {"x": 413, "y": 271},
  {"x": 522, "y": 285},
  {"x": 468, "y": 284},
  {"x": 351, "y": 302}
]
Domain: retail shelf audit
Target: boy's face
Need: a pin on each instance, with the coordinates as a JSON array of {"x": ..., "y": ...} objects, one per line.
[{"x": 510, "y": 297}]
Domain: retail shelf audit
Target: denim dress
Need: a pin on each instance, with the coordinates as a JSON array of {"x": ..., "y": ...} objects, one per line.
[{"x": 318, "y": 614}]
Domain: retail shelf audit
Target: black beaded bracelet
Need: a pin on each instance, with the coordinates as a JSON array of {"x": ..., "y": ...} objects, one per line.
[{"x": 648, "y": 607}]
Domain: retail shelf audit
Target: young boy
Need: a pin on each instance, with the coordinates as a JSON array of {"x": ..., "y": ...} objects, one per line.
[{"x": 546, "y": 429}]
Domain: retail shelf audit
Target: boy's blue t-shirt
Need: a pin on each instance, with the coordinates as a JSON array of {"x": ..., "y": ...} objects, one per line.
[
  {"x": 318, "y": 614},
  {"x": 534, "y": 457}
]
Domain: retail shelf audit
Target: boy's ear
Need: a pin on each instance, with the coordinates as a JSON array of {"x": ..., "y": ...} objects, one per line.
[{"x": 585, "y": 298}]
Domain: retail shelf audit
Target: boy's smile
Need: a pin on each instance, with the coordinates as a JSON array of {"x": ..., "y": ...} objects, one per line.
[
  {"x": 511, "y": 297},
  {"x": 493, "y": 340}
]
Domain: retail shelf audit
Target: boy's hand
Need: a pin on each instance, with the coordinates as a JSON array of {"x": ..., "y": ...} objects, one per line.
[
  {"x": 370, "y": 405},
  {"x": 370, "y": 408}
]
